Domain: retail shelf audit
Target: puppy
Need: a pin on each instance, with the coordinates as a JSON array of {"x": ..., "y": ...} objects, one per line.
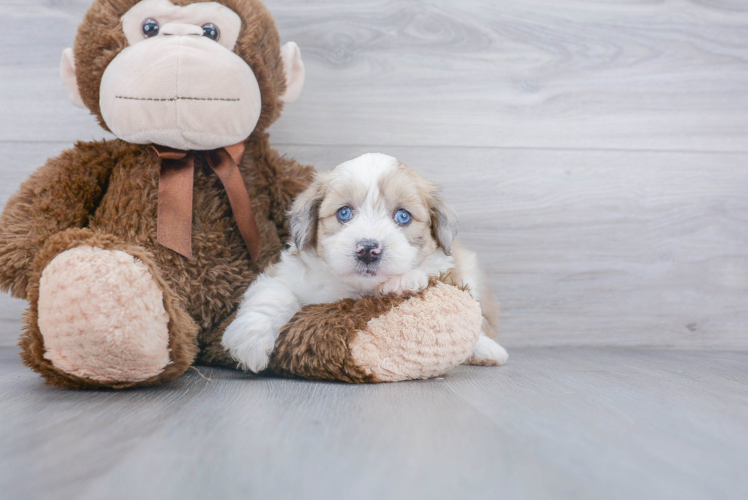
[{"x": 371, "y": 225}]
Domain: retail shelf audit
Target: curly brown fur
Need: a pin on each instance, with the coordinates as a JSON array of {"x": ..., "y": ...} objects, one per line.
[
  {"x": 212, "y": 352},
  {"x": 111, "y": 187},
  {"x": 60, "y": 195}
]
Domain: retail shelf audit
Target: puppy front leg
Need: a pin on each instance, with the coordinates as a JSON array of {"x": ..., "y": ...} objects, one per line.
[
  {"x": 487, "y": 352},
  {"x": 250, "y": 338},
  {"x": 411, "y": 282}
]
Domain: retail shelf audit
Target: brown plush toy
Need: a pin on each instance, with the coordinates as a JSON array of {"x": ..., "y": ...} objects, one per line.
[{"x": 134, "y": 253}]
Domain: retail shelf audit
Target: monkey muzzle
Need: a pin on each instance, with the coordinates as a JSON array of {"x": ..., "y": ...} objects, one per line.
[{"x": 182, "y": 91}]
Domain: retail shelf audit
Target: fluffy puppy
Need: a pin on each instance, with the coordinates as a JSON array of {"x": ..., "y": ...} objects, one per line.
[{"x": 371, "y": 225}]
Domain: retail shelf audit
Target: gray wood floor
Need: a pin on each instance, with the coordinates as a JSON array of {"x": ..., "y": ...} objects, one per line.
[
  {"x": 560, "y": 423},
  {"x": 597, "y": 153}
]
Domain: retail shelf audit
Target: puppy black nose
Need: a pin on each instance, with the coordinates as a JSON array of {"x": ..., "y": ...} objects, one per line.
[{"x": 368, "y": 251}]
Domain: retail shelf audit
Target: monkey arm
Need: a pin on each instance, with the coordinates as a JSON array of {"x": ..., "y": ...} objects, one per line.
[
  {"x": 61, "y": 195},
  {"x": 380, "y": 339}
]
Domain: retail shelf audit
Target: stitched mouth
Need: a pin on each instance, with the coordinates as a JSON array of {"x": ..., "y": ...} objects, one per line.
[{"x": 176, "y": 99}]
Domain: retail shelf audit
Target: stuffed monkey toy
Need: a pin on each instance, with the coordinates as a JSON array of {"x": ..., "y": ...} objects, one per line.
[{"x": 134, "y": 253}]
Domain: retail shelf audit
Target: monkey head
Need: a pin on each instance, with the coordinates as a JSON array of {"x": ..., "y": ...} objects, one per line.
[{"x": 186, "y": 74}]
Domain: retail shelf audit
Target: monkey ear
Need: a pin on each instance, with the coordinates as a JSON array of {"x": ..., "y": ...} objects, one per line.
[
  {"x": 293, "y": 66},
  {"x": 67, "y": 73},
  {"x": 443, "y": 223}
]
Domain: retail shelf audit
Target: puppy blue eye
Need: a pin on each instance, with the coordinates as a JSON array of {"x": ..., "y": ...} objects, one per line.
[
  {"x": 402, "y": 217},
  {"x": 345, "y": 214}
]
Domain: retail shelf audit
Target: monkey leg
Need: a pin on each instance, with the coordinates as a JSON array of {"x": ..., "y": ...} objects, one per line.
[
  {"x": 100, "y": 315},
  {"x": 380, "y": 339}
]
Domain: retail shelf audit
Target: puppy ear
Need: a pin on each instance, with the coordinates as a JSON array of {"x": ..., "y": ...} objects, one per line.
[
  {"x": 443, "y": 223},
  {"x": 304, "y": 213}
]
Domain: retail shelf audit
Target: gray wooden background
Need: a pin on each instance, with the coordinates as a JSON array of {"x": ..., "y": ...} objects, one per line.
[{"x": 595, "y": 151}]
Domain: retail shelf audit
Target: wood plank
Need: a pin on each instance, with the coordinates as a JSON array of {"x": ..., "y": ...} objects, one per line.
[
  {"x": 30, "y": 89},
  {"x": 582, "y": 247},
  {"x": 553, "y": 423},
  {"x": 619, "y": 421},
  {"x": 582, "y": 74},
  {"x": 585, "y": 74}
]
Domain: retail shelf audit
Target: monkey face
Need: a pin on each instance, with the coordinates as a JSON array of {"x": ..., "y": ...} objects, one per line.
[{"x": 178, "y": 82}]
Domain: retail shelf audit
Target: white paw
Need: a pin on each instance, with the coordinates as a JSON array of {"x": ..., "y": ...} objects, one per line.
[
  {"x": 487, "y": 353},
  {"x": 250, "y": 339},
  {"x": 410, "y": 282}
]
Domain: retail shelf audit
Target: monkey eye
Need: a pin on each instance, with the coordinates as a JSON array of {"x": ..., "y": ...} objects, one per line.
[
  {"x": 211, "y": 31},
  {"x": 150, "y": 28}
]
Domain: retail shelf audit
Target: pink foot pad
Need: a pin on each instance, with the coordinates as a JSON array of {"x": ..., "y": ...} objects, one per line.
[{"x": 102, "y": 316}]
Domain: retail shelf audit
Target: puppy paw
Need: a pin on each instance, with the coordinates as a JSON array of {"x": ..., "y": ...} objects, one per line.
[
  {"x": 250, "y": 340},
  {"x": 410, "y": 282},
  {"x": 487, "y": 353}
]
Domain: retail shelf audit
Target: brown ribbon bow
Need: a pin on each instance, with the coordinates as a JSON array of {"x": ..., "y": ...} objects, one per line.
[{"x": 175, "y": 196}]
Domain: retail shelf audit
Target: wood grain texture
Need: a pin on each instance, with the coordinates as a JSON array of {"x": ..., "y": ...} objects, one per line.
[
  {"x": 553, "y": 423},
  {"x": 19, "y": 161},
  {"x": 596, "y": 152},
  {"x": 582, "y": 247},
  {"x": 598, "y": 247},
  {"x": 541, "y": 74}
]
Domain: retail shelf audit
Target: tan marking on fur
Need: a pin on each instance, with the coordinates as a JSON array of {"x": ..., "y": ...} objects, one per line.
[
  {"x": 336, "y": 195},
  {"x": 490, "y": 308},
  {"x": 339, "y": 195},
  {"x": 404, "y": 185},
  {"x": 404, "y": 188},
  {"x": 304, "y": 213}
]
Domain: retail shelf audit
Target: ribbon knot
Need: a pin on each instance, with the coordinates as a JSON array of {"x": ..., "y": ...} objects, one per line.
[{"x": 175, "y": 196}]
